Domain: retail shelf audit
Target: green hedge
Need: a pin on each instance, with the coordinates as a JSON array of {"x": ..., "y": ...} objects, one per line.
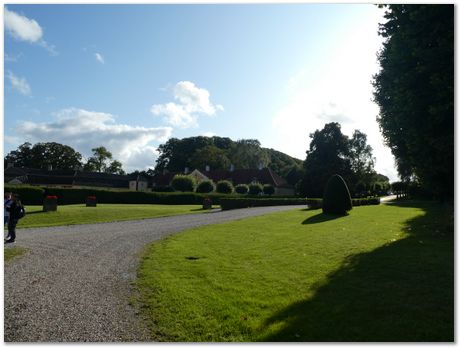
[
  {"x": 31, "y": 195},
  {"x": 317, "y": 203},
  {"x": 34, "y": 196},
  {"x": 237, "y": 203},
  {"x": 365, "y": 201}
]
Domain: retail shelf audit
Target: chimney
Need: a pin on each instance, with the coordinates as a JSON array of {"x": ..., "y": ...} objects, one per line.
[
  {"x": 9, "y": 165},
  {"x": 261, "y": 166},
  {"x": 208, "y": 168},
  {"x": 232, "y": 167},
  {"x": 50, "y": 167},
  {"x": 165, "y": 171},
  {"x": 186, "y": 170}
]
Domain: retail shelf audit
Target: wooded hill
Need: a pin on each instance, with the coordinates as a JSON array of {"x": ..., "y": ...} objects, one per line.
[{"x": 220, "y": 153}]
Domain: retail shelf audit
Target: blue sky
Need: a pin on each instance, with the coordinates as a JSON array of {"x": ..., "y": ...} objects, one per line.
[{"x": 131, "y": 76}]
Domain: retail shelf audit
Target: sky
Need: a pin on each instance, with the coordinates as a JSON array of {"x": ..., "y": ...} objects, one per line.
[{"x": 129, "y": 77}]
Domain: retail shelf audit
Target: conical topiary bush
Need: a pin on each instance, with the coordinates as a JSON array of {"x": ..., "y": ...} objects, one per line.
[{"x": 336, "y": 198}]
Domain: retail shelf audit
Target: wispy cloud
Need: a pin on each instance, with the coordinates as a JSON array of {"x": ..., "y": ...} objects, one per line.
[
  {"x": 19, "y": 83},
  {"x": 25, "y": 29},
  {"x": 12, "y": 58},
  {"x": 191, "y": 101},
  {"x": 99, "y": 58},
  {"x": 84, "y": 130}
]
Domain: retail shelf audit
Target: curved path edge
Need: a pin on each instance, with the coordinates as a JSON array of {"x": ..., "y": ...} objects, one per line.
[{"x": 74, "y": 284}]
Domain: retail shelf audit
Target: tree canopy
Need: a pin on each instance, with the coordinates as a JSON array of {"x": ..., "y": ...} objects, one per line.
[
  {"x": 331, "y": 152},
  {"x": 59, "y": 156},
  {"x": 101, "y": 162},
  {"x": 415, "y": 93},
  {"x": 44, "y": 156},
  {"x": 220, "y": 153}
]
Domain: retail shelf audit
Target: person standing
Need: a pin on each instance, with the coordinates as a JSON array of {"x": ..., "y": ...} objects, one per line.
[
  {"x": 15, "y": 210},
  {"x": 6, "y": 203}
]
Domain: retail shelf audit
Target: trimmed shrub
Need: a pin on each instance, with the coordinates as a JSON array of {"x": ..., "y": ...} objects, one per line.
[
  {"x": 205, "y": 186},
  {"x": 336, "y": 199},
  {"x": 183, "y": 183},
  {"x": 238, "y": 203},
  {"x": 268, "y": 189},
  {"x": 242, "y": 189},
  {"x": 255, "y": 189},
  {"x": 224, "y": 186}
]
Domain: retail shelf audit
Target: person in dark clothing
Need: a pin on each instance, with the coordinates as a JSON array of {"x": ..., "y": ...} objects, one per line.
[{"x": 15, "y": 210}]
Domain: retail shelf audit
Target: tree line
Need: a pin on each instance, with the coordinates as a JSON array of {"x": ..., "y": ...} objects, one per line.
[
  {"x": 58, "y": 156},
  {"x": 330, "y": 152},
  {"x": 221, "y": 152},
  {"x": 415, "y": 93}
]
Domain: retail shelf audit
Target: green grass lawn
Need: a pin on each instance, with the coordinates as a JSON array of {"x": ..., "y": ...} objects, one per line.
[
  {"x": 382, "y": 273},
  {"x": 80, "y": 214},
  {"x": 10, "y": 253}
]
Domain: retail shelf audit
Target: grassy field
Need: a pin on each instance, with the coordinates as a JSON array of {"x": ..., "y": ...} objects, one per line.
[
  {"x": 80, "y": 214},
  {"x": 10, "y": 253},
  {"x": 382, "y": 273}
]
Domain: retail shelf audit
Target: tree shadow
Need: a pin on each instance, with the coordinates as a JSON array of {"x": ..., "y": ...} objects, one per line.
[
  {"x": 400, "y": 292},
  {"x": 36, "y": 212},
  {"x": 322, "y": 217}
]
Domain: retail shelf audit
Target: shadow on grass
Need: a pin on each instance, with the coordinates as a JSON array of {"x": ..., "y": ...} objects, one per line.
[
  {"x": 400, "y": 292},
  {"x": 322, "y": 217},
  {"x": 36, "y": 212}
]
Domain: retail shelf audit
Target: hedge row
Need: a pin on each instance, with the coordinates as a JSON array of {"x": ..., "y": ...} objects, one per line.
[
  {"x": 237, "y": 203},
  {"x": 33, "y": 195},
  {"x": 317, "y": 203},
  {"x": 30, "y": 195}
]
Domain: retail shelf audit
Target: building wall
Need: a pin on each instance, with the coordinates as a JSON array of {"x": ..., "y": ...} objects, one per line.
[{"x": 141, "y": 185}]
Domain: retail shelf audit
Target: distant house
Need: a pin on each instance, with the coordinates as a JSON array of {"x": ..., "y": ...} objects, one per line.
[
  {"x": 236, "y": 176},
  {"x": 74, "y": 178}
]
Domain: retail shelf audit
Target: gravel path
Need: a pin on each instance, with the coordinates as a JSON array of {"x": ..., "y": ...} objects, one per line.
[{"x": 74, "y": 284}]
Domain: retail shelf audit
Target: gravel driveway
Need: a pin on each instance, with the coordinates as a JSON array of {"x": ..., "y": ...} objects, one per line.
[{"x": 74, "y": 284}]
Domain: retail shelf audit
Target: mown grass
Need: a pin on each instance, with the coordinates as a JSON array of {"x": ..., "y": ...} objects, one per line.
[
  {"x": 10, "y": 253},
  {"x": 382, "y": 273},
  {"x": 80, "y": 214}
]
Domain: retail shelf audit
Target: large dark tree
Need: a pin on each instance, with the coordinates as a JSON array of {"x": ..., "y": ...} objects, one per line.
[
  {"x": 44, "y": 156},
  {"x": 175, "y": 154},
  {"x": 415, "y": 92},
  {"x": 247, "y": 153},
  {"x": 328, "y": 155},
  {"x": 210, "y": 155}
]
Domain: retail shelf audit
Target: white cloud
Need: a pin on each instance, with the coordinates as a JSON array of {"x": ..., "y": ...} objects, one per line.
[
  {"x": 21, "y": 27},
  {"x": 12, "y": 58},
  {"x": 191, "y": 101},
  {"x": 19, "y": 83},
  {"x": 24, "y": 29},
  {"x": 342, "y": 93},
  {"x": 99, "y": 58},
  {"x": 84, "y": 130}
]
